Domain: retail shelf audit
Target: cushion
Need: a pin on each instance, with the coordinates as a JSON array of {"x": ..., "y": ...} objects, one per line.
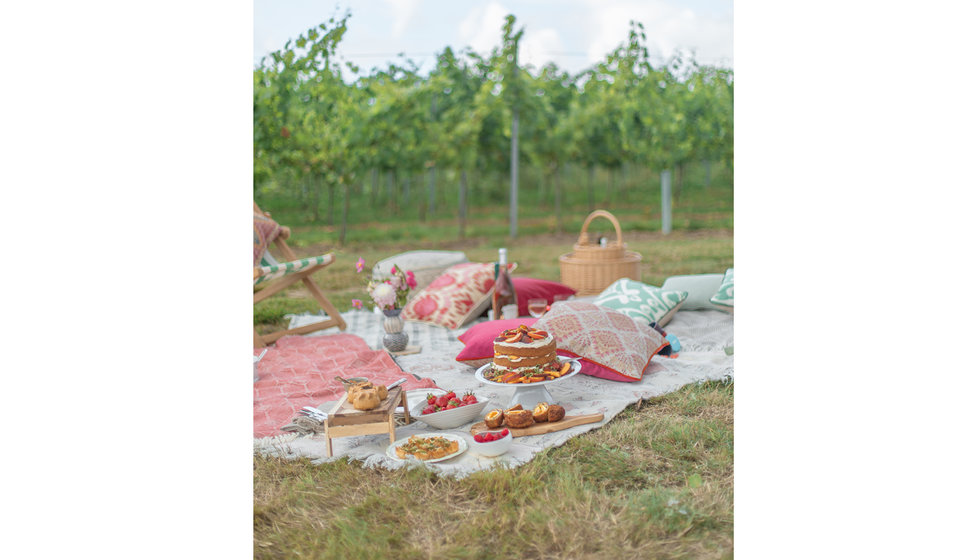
[
  {"x": 479, "y": 340},
  {"x": 699, "y": 287},
  {"x": 530, "y": 288},
  {"x": 264, "y": 231},
  {"x": 611, "y": 345},
  {"x": 455, "y": 298},
  {"x": 426, "y": 265},
  {"x": 641, "y": 301},
  {"x": 724, "y": 299}
]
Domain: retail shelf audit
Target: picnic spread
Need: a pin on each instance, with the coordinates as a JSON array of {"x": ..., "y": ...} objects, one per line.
[
  {"x": 704, "y": 334},
  {"x": 429, "y": 380}
]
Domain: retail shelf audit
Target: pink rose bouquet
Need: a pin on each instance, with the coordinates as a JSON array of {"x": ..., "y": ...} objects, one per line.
[{"x": 391, "y": 293}]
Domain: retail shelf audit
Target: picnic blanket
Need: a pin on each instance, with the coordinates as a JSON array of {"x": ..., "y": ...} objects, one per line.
[
  {"x": 704, "y": 337},
  {"x": 301, "y": 371}
]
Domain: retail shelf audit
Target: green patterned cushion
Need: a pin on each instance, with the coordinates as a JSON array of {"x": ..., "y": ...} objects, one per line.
[
  {"x": 725, "y": 298},
  {"x": 641, "y": 301}
]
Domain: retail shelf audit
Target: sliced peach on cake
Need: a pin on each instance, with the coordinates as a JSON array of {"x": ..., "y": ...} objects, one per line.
[
  {"x": 513, "y": 338},
  {"x": 537, "y": 335}
]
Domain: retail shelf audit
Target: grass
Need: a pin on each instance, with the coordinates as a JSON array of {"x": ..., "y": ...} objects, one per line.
[{"x": 655, "y": 482}]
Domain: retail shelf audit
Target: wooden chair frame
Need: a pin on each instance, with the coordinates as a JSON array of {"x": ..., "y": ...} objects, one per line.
[{"x": 276, "y": 286}]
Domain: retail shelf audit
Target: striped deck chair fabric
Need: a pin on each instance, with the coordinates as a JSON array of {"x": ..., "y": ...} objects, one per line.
[{"x": 270, "y": 268}]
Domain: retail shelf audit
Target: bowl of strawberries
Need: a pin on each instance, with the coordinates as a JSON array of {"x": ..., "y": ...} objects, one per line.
[
  {"x": 492, "y": 443},
  {"x": 449, "y": 410}
]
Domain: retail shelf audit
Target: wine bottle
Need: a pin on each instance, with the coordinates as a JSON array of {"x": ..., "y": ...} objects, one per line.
[{"x": 503, "y": 287}]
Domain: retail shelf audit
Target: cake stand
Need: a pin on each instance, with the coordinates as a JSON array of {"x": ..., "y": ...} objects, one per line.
[{"x": 528, "y": 395}]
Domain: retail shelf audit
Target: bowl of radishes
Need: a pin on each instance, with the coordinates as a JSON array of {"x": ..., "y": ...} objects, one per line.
[
  {"x": 492, "y": 443},
  {"x": 449, "y": 410}
]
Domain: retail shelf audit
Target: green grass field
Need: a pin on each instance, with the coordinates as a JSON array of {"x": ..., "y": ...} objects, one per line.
[{"x": 655, "y": 482}]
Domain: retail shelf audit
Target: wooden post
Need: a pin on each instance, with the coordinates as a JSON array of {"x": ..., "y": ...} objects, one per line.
[
  {"x": 432, "y": 190},
  {"x": 513, "y": 177},
  {"x": 462, "y": 204},
  {"x": 665, "y": 201}
]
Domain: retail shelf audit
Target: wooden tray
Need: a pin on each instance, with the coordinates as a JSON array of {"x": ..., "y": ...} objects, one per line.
[
  {"x": 539, "y": 428},
  {"x": 344, "y": 413},
  {"x": 345, "y": 420}
]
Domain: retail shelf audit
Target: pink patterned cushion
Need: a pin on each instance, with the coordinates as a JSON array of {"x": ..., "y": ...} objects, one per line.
[
  {"x": 455, "y": 298},
  {"x": 264, "y": 231},
  {"x": 611, "y": 345}
]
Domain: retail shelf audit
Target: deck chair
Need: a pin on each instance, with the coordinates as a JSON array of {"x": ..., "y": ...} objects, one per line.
[{"x": 279, "y": 276}]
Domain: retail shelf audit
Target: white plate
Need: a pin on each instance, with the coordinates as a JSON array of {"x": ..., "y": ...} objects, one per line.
[
  {"x": 576, "y": 367},
  {"x": 462, "y": 447}
]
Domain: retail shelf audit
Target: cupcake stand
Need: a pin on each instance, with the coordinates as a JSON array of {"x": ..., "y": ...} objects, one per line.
[{"x": 530, "y": 394}]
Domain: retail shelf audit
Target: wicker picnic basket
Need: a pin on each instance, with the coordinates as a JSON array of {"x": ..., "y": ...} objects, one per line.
[{"x": 591, "y": 268}]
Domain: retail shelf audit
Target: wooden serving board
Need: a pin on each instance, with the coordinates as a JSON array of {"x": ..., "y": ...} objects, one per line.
[
  {"x": 539, "y": 428},
  {"x": 344, "y": 414}
]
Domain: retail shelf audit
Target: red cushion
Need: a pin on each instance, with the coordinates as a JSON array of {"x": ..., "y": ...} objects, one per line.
[
  {"x": 530, "y": 288},
  {"x": 479, "y": 339}
]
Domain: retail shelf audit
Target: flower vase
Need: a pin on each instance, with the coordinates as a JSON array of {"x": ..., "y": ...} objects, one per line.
[{"x": 395, "y": 339}]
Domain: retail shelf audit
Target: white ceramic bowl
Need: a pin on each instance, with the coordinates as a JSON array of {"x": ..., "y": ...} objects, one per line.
[
  {"x": 452, "y": 418},
  {"x": 494, "y": 448}
]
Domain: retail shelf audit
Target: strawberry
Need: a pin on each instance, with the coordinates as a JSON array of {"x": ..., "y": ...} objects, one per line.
[
  {"x": 504, "y": 433},
  {"x": 469, "y": 399},
  {"x": 454, "y": 402},
  {"x": 429, "y": 409},
  {"x": 451, "y": 405},
  {"x": 479, "y": 438},
  {"x": 450, "y": 395},
  {"x": 430, "y": 398},
  {"x": 442, "y": 401}
]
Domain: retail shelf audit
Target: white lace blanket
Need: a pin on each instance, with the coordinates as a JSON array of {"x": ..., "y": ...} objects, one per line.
[{"x": 703, "y": 335}]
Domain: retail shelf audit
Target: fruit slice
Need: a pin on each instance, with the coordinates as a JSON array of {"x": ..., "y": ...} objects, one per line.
[
  {"x": 513, "y": 338},
  {"x": 537, "y": 335},
  {"x": 565, "y": 368}
]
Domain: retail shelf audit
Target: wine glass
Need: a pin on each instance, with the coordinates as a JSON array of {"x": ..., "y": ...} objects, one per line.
[{"x": 537, "y": 307}]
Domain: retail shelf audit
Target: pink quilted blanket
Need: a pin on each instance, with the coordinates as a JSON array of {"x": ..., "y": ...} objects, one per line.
[{"x": 300, "y": 370}]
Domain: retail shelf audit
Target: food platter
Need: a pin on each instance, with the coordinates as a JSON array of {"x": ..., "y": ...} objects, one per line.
[
  {"x": 529, "y": 394},
  {"x": 390, "y": 452},
  {"x": 576, "y": 367}
]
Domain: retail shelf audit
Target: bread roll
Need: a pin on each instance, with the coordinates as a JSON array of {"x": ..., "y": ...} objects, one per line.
[
  {"x": 540, "y": 412},
  {"x": 518, "y": 418},
  {"x": 494, "y": 418},
  {"x": 556, "y": 412},
  {"x": 366, "y": 399}
]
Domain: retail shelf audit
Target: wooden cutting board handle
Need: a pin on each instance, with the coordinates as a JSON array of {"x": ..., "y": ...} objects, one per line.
[{"x": 543, "y": 427}]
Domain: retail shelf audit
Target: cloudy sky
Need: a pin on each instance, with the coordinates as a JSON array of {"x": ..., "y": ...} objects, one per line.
[{"x": 573, "y": 33}]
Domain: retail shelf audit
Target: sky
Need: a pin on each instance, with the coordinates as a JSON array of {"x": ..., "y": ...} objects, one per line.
[{"x": 575, "y": 34}]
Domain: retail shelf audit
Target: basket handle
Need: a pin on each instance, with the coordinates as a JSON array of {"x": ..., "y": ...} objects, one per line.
[{"x": 583, "y": 237}]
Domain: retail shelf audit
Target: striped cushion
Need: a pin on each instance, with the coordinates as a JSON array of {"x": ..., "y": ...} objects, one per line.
[{"x": 271, "y": 268}]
